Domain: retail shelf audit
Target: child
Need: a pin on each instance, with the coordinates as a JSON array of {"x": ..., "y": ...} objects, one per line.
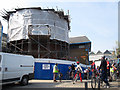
[{"x": 60, "y": 76}]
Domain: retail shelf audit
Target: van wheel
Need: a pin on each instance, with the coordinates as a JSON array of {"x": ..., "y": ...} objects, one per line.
[{"x": 24, "y": 81}]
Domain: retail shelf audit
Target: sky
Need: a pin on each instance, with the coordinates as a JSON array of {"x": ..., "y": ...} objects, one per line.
[{"x": 96, "y": 19}]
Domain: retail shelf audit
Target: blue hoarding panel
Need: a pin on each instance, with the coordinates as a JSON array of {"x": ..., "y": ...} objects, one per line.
[
  {"x": 45, "y": 70},
  {"x": 47, "y": 74}
]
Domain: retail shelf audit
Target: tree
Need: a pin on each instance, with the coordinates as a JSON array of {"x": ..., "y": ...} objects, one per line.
[{"x": 118, "y": 48}]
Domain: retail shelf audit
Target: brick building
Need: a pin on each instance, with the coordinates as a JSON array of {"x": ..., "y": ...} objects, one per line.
[{"x": 79, "y": 49}]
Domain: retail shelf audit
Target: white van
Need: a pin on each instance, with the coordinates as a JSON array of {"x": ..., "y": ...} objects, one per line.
[{"x": 16, "y": 68}]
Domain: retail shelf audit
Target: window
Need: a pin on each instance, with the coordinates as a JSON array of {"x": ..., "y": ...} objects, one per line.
[{"x": 81, "y": 46}]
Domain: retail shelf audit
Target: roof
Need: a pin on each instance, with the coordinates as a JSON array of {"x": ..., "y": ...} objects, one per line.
[
  {"x": 99, "y": 52},
  {"x": 92, "y": 53},
  {"x": 39, "y": 8},
  {"x": 81, "y": 39},
  {"x": 107, "y": 52}
]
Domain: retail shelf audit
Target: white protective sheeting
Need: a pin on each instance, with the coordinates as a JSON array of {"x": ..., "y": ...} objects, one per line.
[
  {"x": 95, "y": 57},
  {"x": 37, "y": 22}
]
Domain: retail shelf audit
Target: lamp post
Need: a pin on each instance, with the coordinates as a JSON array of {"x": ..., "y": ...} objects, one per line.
[{"x": 1, "y": 32}]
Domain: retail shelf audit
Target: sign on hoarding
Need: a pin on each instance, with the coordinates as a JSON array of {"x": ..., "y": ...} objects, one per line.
[{"x": 46, "y": 66}]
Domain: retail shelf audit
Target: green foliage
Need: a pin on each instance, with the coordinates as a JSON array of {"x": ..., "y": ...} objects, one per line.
[{"x": 118, "y": 49}]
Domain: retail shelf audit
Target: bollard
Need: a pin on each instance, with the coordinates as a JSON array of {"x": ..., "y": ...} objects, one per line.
[
  {"x": 86, "y": 86},
  {"x": 99, "y": 85}
]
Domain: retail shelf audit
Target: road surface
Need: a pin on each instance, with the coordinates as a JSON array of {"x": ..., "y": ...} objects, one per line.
[{"x": 63, "y": 84}]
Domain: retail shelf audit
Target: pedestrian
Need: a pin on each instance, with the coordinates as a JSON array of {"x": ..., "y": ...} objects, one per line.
[
  {"x": 85, "y": 74},
  {"x": 114, "y": 66},
  {"x": 103, "y": 68},
  {"x": 69, "y": 71},
  {"x": 111, "y": 73},
  {"x": 118, "y": 68},
  {"x": 93, "y": 69},
  {"x": 60, "y": 76},
  {"x": 88, "y": 73},
  {"x": 78, "y": 73},
  {"x": 72, "y": 71},
  {"x": 98, "y": 70},
  {"x": 55, "y": 72},
  {"x": 108, "y": 68}
]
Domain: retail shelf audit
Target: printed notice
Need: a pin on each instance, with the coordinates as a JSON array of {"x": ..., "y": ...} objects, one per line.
[{"x": 46, "y": 66}]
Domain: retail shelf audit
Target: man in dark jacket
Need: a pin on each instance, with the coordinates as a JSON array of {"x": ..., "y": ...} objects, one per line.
[
  {"x": 118, "y": 67},
  {"x": 103, "y": 68}
]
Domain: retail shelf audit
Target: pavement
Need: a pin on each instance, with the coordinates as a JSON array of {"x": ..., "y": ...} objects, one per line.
[{"x": 63, "y": 84}]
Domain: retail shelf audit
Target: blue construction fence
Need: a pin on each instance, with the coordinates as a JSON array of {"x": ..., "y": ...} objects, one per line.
[{"x": 44, "y": 71}]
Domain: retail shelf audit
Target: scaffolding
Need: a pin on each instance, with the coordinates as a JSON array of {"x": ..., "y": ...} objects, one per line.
[
  {"x": 42, "y": 33},
  {"x": 40, "y": 47}
]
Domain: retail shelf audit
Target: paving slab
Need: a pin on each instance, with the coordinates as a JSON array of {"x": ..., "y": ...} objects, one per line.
[{"x": 63, "y": 84}]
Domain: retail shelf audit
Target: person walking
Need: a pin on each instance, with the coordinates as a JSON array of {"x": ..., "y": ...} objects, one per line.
[
  {"x": 85, "y": 74},
  {"x": 55, "y": 72},
  {"x": 60, "y": 76},
  {"x": 118, "y": 69},
  {"x": 93, "y": 69},
  {"x": 78, "y": 73},
  {"x": 114, "y": 66},
  {"x": 72, "y": 71},
  {"x": 111, "y": 73},
  {"x": 88, "y": 73},
  {"x": 108, "y": 68},
  {"x": 103, "y": 68}
]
